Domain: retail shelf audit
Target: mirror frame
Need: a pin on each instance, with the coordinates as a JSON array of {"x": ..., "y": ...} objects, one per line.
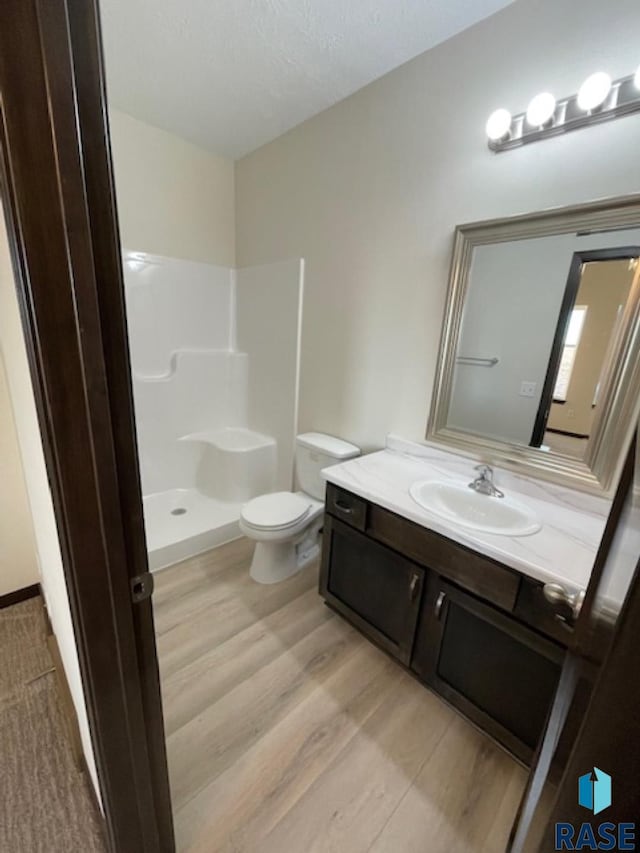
[{"x": 617, "y": 417}]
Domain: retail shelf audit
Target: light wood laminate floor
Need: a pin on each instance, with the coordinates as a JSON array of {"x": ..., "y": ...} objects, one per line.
[{"x": 287, "y": 732}]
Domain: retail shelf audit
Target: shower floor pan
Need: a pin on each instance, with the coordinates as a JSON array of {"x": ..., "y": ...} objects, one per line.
[{"x": 181, "y": 523}]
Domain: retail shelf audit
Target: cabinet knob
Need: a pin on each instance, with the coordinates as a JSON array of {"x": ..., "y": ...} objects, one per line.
[{"x": 560, "y": 597}]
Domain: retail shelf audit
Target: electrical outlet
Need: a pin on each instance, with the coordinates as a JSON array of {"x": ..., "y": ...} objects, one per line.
[{"x": 528, "y": 389}]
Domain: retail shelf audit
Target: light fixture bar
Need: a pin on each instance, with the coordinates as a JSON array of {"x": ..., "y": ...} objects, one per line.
[{"x": 623, "y": 99}]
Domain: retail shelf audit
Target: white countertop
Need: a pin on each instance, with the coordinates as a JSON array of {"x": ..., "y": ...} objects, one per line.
[{"x": 563, "y": 550}]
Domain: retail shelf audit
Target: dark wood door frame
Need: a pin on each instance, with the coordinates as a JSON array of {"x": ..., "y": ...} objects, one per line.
[
  {"x": 590, "y": 642},
  {"x": 58, "y": 196},
  {"x": 568, "y": 301},
  {"x": 607, "y": 737}
]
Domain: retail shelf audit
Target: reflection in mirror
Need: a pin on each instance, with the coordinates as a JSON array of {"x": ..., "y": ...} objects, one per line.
[
  {"x": 533, "y": 348},
  {"x": 598, "y": 290},
  {"x": 540, "y": 340},
  {"x": 534, "y": 343}
]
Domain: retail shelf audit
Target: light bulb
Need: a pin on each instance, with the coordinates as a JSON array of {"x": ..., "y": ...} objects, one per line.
[
  {"x": 498, "y": 125},
  {"x": 593, "y": 92},
  {"x": 541, "y": 109},
  {"x": 636, "y": 79}
]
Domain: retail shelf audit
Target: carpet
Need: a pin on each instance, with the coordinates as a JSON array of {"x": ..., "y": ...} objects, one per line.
[{"x": 45, "y": 800}]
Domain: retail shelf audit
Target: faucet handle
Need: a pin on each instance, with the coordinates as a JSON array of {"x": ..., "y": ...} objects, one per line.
[
  {"x": 483, "y": 483},
  {"x": 485, "y": 470}
]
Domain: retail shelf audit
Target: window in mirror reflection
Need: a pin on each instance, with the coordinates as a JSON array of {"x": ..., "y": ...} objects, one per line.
[{"x": 569, "y": 350}]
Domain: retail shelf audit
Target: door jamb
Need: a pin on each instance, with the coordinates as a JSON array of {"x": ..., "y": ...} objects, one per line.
[{"x": 58, "y": 194}]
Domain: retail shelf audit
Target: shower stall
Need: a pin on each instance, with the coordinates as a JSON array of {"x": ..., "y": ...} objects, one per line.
[{"x": 215, "y": 355}]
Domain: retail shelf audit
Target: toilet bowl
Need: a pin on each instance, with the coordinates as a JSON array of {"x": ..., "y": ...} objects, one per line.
[
  {"x": 285, "y": 528},
  {"x": 286, "y": 525}
]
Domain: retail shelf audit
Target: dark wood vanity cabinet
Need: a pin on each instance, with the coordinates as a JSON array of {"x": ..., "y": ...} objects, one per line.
[
  {"x": 496, "y": 670},
  {"x": 475, "y": 631},
  {"x": 376, "y": 588}
]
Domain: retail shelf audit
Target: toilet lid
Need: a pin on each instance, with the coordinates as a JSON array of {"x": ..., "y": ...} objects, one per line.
[{"x": 280, "y": 509}]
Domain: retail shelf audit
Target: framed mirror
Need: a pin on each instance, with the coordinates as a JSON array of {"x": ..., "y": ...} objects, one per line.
[{"x": 539, "y": 364}]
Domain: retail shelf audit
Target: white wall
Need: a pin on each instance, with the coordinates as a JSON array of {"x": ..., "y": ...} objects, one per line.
[
  {"x": 268, "y": 310},
  {"x": 18, "y": 563},
  {"x": 370, "y": 191},
  {"x": 39, "y": 494},
  {"x": 173, "y": 198}
]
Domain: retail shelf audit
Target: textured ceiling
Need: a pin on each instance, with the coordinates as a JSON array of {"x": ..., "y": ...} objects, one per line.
[{"x": 231, "y": 75}]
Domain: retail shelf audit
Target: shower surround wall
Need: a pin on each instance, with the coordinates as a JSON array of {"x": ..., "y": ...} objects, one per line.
[{"x": 205, "y": 444}]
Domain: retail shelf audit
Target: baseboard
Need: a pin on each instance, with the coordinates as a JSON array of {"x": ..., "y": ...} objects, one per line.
[{"x": 18, "y": 595}]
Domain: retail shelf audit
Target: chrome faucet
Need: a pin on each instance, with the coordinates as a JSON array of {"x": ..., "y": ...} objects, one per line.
[{"x": 483, "y": 483}]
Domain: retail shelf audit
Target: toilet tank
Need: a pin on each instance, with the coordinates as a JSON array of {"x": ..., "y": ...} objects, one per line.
[{"x": 315, "y": 451}]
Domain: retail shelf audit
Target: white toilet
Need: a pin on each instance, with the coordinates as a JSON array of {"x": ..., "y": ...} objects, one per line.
[{"x": 286, "y": 525}]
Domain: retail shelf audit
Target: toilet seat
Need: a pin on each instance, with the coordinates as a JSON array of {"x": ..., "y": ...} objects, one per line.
[{"x": 277, "y": 511}]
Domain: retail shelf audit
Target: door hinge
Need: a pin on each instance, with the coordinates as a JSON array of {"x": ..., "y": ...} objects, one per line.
[{"x": 141, "y": 587}]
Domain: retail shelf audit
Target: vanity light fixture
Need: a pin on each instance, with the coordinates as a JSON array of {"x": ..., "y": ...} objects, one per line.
[
  {"x": 498, "y": 125},
  {"x": 594, "y": 91},
  {"x": 599, "y": 99},
  {"x": 541, "y": 110}
]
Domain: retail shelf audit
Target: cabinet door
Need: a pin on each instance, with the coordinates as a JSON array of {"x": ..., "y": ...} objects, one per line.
[
  {"x": 498, "y": 672},
  {"x": 378, "y": 590}
]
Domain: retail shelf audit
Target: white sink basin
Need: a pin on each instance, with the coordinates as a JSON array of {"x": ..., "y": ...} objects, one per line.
[{"x": 466, "y": 508}]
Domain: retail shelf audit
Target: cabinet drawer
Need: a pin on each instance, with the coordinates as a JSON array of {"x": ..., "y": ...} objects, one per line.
[
  {"x": 478, "y": 574},
  {"x": 347, "y": 507}
]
